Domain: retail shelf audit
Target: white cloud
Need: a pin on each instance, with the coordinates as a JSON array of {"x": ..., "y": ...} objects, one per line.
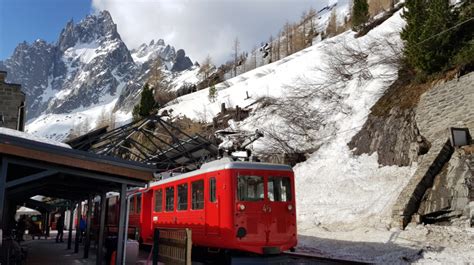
[{"x": 203, "y": 27}]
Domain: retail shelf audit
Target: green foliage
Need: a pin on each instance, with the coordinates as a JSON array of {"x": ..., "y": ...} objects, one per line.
[
  {"x": 431, "y": 40},
  {"x": 146, "y": 105},
  {"x": 465, "y": 55},
  {"x": 360, "y": 14},
  {"x": 465, "y": 34},
  {"x": 212, "y": 93}
]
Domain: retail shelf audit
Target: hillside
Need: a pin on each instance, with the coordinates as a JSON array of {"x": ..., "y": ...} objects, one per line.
[{"x": 307, "y": 102}]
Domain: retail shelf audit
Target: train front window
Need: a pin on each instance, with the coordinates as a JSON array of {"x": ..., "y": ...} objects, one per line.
[
  {"x": 279, "y": 189},
  {"x": 197, "y": 195},
  {"x": 170, "y": 199},
  {"x": 182, "y": 197},
  {"x": 158, "y": 200},
  {"x": 250, "y": 188}
]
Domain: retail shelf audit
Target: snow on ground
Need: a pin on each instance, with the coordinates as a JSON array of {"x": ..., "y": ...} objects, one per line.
[
  {"x": 421, "y": 244},
  {"x": 189, "y": 77},
  {"x": 31, "y": 137},
  {"x": 58, "y": 126}
]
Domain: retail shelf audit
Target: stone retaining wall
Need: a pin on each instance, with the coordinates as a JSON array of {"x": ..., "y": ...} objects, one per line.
[
  {"x": 446, "y": 105},
  {"x": 410, "y": 198}
]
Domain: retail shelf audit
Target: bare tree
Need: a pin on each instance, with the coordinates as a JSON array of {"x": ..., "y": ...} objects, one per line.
[
  {"x": 270, "y": 53},
  {"x": 331, "y": 29},
  {"x": 303, "y": 113},
  {"x": 206, "y": 67},
  {"x": 236, "y": 52},
  {"x": 254, "y": 58},
  {"x": 287, "y": 38}
]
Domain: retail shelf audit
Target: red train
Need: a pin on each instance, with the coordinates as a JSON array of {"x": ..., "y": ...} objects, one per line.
[{"x": 244, "y": 206}]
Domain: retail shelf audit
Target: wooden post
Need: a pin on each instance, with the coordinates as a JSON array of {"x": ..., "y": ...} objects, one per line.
[
  {"x": 156, "y": 239},
  {"x": 223, "y": 109},
  {"x": 237, "y": 113}
]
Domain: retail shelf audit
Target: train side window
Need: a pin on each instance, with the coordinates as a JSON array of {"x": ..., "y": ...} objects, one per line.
[
  {"x": 250, "y": 188},
  {"x": 132, "y": 205},
  {"x": 279, "y": 189},
  {"x": 197, "y": 188},
  {"x": 169, "y": 199},
  {"x": 212, "y": 189},
  {"x": 158, "y": 200},
  {"x": 139, "y": 203},
  {"x": 183, "y": 197}
]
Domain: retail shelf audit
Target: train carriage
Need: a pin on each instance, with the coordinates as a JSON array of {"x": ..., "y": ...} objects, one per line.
[{"x": 230, "y": 205}]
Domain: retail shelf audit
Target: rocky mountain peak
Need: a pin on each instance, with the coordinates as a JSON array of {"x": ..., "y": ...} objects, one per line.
[
  {"x": 89, "y": 65},
  {"x": 93, "y": 27},
  {"x": 181, "y": 62}
]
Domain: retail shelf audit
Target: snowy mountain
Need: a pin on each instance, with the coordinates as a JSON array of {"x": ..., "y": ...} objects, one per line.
[{"x": 88, "y": 66}]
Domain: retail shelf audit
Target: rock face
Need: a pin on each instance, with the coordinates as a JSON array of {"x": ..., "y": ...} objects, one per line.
[
  {"x": 30, "y": 66},
  {"x": 394, "y": 137},
  {"x": 89, "y": 65},
  {"x": 182, "y": 62},
  {"x": 452, "y": 190}
]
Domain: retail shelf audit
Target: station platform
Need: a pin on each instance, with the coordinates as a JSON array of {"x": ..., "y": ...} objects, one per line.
[{"x": 48, "y": 252}]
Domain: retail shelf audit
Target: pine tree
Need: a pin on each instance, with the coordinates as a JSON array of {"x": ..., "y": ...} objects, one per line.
[
  {"x": 438, "y": 49},
  {"x": 425, "y": 49},
  {"x": 212, "y": 93},
  {"x": 360, "y": 14},
  {"x": 146, "y": 105}
]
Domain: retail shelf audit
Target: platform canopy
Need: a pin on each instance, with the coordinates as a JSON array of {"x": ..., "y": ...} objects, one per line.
[{"x": 29, "y": 167}]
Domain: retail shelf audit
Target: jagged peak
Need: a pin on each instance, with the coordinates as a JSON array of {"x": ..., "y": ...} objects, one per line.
[{"x": 92, "y": 27}]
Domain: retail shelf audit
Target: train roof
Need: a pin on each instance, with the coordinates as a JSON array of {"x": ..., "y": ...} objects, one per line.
[{"x": 226, "y": 163}]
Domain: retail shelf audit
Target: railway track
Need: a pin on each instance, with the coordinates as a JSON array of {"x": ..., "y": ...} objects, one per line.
[
  {"x": 292, "y": 258},
  {"x": 303, "y": 259}
]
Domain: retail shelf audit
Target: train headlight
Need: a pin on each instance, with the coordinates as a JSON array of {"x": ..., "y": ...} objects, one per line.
[
  {"x": 290, "y": 207},
  {"x": 241, "y": 207},
  {"x": 241, "y": 232}
]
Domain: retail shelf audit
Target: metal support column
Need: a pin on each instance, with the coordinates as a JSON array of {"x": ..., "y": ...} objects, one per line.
[
  {"x": 71, "y": 222},
  {"x": 87, "y": 243},
  {"x": 3, "y": 180},
  {"x": 121, "y": 229},
  {"x": 47, "y": 223},
  {"x": 100, "y": 243},
  {"x": 78, "y": 226}
]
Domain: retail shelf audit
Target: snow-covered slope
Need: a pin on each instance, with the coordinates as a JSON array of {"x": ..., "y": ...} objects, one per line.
[
  {"x": 341, "y": 198},
  {"x": 348, "y": 189}
]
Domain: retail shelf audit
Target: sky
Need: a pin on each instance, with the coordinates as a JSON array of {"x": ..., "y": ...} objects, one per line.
[
  {"x": 200, "y": 27},
  {"x": 29, "y": 20}
]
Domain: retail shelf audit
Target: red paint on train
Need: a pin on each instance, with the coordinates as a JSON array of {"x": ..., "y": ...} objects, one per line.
[{"x": 242, "y": 206}]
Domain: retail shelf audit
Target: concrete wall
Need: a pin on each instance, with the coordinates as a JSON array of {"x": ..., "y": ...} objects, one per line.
[{"x": 11, "y": 99}]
